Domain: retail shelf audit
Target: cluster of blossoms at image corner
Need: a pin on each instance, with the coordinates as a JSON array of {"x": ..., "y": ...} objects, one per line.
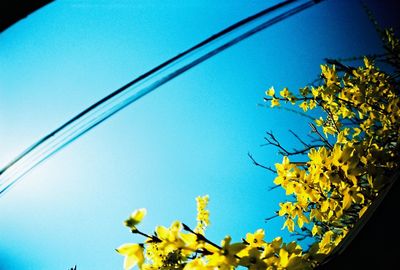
[{"x": 350, "y": 162}]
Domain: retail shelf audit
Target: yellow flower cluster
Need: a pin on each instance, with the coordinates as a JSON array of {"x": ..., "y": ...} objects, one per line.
[
  {"x": 202, "y": 214},
  {"x": 358, "y": 150},
  {"x": 173, "y": 248},
  {"x": 334, "y": 188}
]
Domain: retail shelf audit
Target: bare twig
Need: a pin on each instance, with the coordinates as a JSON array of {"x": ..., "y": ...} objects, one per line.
[
  {"x": 260, "y": 165},
  {"x": 153, "y": 238},
  {"x": 273, "y": 187},
  {"x": 316, "y": 82},
  {"x": 285, "y": 99},
  {"x": 283, "y": 151},
  {"x": 301, "y": 236},
  {"x": 329, "y": 113},
  {"x": 305, "y": 150},
  {"x": 299, "y": 139},
  {"x": 200, "y": 236},
  {"x": 299, "y": 163},
  {"x": 203, "y": 238},
  {"x": 341, "y": 66},
  {"x": 315, "y": 139},
  {"x": 271, "y": 217},
  {"x": 273, "y": 141},
  {"x": 361, "y": 57},
  {"x": 314, "y": 129}
]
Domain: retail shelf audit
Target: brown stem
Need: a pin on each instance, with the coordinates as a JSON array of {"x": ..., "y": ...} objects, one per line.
[
  {"x": 260, "y": 165},
  {"x": 314, "y": 129},
  {"x": 154, "y": 238}
]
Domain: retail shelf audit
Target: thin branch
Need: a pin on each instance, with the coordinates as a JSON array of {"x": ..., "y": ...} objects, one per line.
[
  {"x": 308, "y": 146},
  {"x": 260, "y": 165},
  {"x": 358, "y": 106},
  {"x": 285, "y": 99},
  {"x": 203, "y": 238},
  {"x": 341, "y": 66},
  {"x": 305, "y": 150},
  {"x": 314, "y": 129},
  {"x": 301, "y": 236},
  {"x": 361, "y": 57},
  {"x": 273, "y": 187},
  {"x": 299, "y": 139},
  {"x": 273, "y": 141},
  {"x": 314, "y": 82},
  {"x": 329, "y": 113},
  {"x": 332, "y": 119},
  {"x": 315, "y": 139},
  {"x": 299, "y": 163},
  {"x": 200, "y": 236},
  {"x": 272, "y": 217},
  {"x": 152, "y": 237}
]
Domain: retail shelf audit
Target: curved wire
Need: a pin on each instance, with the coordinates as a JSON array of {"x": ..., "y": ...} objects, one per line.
[{"x": 143, "y": 85}]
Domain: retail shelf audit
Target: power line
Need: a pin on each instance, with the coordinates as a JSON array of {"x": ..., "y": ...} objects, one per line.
[{"x": 143, "y": 85}]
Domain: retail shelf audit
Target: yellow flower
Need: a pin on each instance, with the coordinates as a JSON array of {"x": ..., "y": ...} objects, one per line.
[
  {"x": 277, "y": 242},
  {"x": 316, "y": 230},
  {"x": 319, "y": 121},
  {"x": 329, "y": 129},
  {"x": 289, "y": 223},
  {"x": 284, "y": 166},
  {"x": 362, "y": 211},
  {"x": 135, "y": 218},
  {"x": 290, "y": 259},
  {"x": 315, "y": 91},
  {"x": 325, "y": 244},
  {"x": 171, "y": 238},
  {"x": 304, "y": 91},
  {"x": 309, "y": 193},
  {"x": 298, "y": 263},
  {"x": 329, "y": 74},
  {"x": 275, "y": 102},
  {"x": 284, "y": 257},
  {"x": 293, "y": 187},
  {"x": 203, "y": 214},
  {"x": 304, "y": 106},
  {"x": 172, "y": 245},
  {"x": 316, "y": 213},
  {"x": 252, "y": 259},
  {"x": 285, "y": 93},
  {"x": 351, "y": 195},
  {"x": 198, "y": 264},
  {"x": 270, "y": 92},
  {"x": 341, "y": 154},
  {"x": 133, "y": 255},
  {"x": 286, "y": 208},
  {"x": 345, "y": 112},
  {"x": 312, "y": 104},
  {"x": 256, "y": 239},
  {"x": 367, "y": 63},
  {"x": 318, "y": 157},
  {"x": 301, "y": 219},
  {"x": 283, "y": 172},
  {"x": 357, "y": 131},
  {"x": 225, "y": 258}
]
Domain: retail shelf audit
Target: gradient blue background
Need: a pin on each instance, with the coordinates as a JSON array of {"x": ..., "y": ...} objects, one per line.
[{"x": 190, "y": 137}]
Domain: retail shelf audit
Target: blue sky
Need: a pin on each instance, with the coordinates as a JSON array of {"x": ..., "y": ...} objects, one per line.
[{"x": 190, "y": 137}]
